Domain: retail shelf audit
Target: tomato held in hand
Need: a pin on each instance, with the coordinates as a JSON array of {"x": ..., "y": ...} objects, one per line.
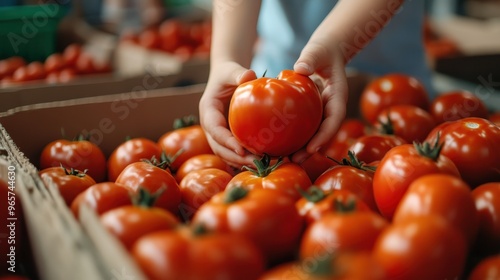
[
  {"x": 275, "y": 116},
  {"x": 70, "y": 183},
  {"x": 400, "y": 167},
  {"x": 389, "y": 90},
  {"x": 194, "y": 253},
  {"x": 284, "y": 177},
  {"x": 78, "y": 154},
  {"x": 130, "y": 151},
  {"x": 421, "y": 248},
  {"x": 441, "y": 195},
  {"x": 473, "y": 145},
  {"x": 266, "y": 217},
  {"x": 455, "y": 105},
  {"x": 487, "y": 200}
]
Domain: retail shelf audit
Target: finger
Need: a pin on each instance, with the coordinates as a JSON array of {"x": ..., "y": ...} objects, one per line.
[
  {"x": 300, "y": 156},
  {"x": 335, "y": 97},
  {"x": 229, "y": 156},
  {"x": 310, "y": 58}
]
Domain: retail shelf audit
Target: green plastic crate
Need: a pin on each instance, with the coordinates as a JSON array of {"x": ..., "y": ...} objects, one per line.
[{"x": 29, "y": 31}]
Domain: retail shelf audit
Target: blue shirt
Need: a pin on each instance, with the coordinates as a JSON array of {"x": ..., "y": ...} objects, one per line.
[{"x": 285, "y": 26}]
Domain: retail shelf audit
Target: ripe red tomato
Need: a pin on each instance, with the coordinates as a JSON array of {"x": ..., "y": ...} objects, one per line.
[
  {"x": 186, "y": 141},
  {"x": 77, "y": 154},
  {"x": 421, "y": 248},
  {"x": 373, "y": 147},
  {"x": 275, "y": 116},
  {"x": 66, "y": 75},
  {"x": 400, "y": 167},
  {"x": 102, "y": 197},
  {"x": 472, "y": 144},
  {"x": 35, "y": 71},
  {"x": 9, "y": 66},
  {"x": 351, "y": 175},
  {"x": 316, "y": 203},
  {"x": 341, "y": 231},
  {"x": 284, "y": 177},
  {"x": 488, "y": 268},
  {"x": 152, "y": 178},
  {"x": 186, "y": 253},
  {"x": 409, "y": 122},
  {"x": 343, "y": 265},
  {"x": 20, "y": 75},
  {"x": 71, "y": 54},
  {"x": 129, "y": 223},
  {"x": 54, "y": 63},
  {"x": 443, "y": 195},
  {"x": 201, "y": 161},
  {"x": 389, "y": 90},
  {"x": 350, "y": 129},
  {"x": 266, "y": 217},
  {"x": 454, "y": 105},
  {"x": 130, "y": 151},
  {"x": 85, "y": 64},
  {"x": 487, "y": 200},
  {"x": 170, "y": 32},
  {"x": 198, "y": 186},
  {"x": 70, "y": 183},
  {"x": 150, "y": 39}
]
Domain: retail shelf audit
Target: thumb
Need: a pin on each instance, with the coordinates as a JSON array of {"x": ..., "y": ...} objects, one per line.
[
  {"x": 243, "y": 75},
  {"x": 310, "y": 57}
]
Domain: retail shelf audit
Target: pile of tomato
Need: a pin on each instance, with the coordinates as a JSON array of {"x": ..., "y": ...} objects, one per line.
[
  {"x": 409, "y": 191},
  {"x": 62, "y": 67},
  {"x": 183, "y": 39}
]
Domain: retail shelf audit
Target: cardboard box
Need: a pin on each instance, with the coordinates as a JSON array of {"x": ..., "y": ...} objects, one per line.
[{"x": 61, "y": 242}]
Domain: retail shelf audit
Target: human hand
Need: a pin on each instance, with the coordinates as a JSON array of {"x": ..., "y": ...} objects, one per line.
[
  {"x": 213, "y": 107},
  {"x": 326, "y": 66}
]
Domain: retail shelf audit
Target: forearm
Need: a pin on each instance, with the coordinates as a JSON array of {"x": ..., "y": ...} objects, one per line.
[
  {"x": 352, "y": 24},
  {"x": 234, "y": 31}
]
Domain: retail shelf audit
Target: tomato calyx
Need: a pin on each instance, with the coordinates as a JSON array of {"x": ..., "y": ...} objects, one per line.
[
  {"x": 146, "y": 199},
  {"x": 425, "y": 149},
  {"x": 185, "y": 121},
  {"x": 165, "y": 161},
  {"x": 353, "y": 161},
  {"x": 263, "y": 166},
  {"x": 323, "y": 267},
  {"x": 74, "y": 172},
  {"x": 235, "y": 194},
  {"x": 344, "y": 207},
  {"x": 313, "y": 194},
  {"x": 386, "y": 128},
  {"x": 199, "y": 230}
]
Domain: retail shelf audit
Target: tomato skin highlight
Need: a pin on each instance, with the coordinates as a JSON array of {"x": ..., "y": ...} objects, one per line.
[
  {"x": 275, "y": 116},
  {"x": 455, "y": 105}
]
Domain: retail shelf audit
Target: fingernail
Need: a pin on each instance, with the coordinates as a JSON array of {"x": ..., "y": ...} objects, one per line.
[{"x": 304, "y": 66}]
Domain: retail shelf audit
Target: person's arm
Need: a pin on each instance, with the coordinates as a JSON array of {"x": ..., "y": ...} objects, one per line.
[
  {"x": 233, "y": 39},
  {"x": 349, "y": 27}
]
